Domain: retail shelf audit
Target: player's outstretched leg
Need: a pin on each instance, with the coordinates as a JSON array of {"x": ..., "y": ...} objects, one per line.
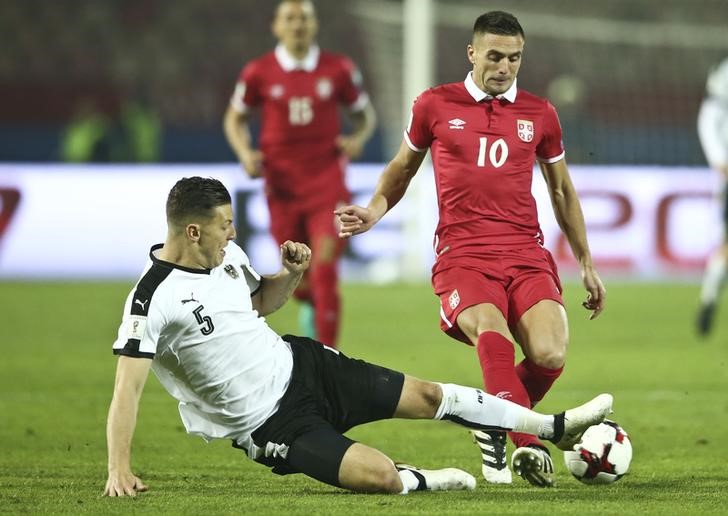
[
  {"x": 368, "y": 470},
  {"x": 478, "y": 410},
  {"x": 447, "y": 479},
  {"x": 492, "y": 446}
]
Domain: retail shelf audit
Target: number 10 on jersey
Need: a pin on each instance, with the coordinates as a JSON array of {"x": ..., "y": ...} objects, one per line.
[{"x": 497, "y": 153}]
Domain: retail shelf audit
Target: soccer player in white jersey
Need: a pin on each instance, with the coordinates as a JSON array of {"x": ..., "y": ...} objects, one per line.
[
  {"x": 713, "y": 133},
  {"x": 196, "y": 319}
]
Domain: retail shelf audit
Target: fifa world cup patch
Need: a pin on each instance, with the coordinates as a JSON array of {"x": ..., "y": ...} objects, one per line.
[
  {"x": 454, "y": 299},
  {"x": 525, "y": 130},
  {"x": 135, "y": 326}
]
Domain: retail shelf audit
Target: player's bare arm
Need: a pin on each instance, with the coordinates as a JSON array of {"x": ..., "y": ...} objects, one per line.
[
  {"x": 570, "y": 218},
  {"x": 364, "y": 120},
  {"x": 131, "y": 374},
  {"x": 237, "y": 132},
  {"x": 276, "y": 289},
  {"x": 390, "y": 189}
]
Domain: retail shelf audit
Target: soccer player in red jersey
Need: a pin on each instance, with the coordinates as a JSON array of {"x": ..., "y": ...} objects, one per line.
[
  {"x": 298, "y": 89},
  {"x": 496, "y": 282}
]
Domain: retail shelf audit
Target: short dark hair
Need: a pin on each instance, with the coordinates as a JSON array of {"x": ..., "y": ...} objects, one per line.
[
  {"x": 498, "y": 22},
  {"x": 194, "y": 198}
]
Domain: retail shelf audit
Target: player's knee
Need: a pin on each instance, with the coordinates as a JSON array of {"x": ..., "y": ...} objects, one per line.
[
  {"x": 550, "y": 358},
  {"x": 379, "y": 478}
]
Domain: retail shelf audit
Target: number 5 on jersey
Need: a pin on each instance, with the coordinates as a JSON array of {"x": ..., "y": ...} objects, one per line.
[
  {"x": 497, "y": 153},
  {"x": 203, "y": 320}
]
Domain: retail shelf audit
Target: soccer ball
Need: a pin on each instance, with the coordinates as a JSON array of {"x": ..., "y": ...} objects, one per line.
[{"x": 602, "y": 456}]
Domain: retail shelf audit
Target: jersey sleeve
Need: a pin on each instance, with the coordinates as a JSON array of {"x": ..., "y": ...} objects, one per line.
[
  {"x": 252, "y": 278},
  {"x": 351, "y": 90},
  {"x": 418, "y": 133},
  {"x": 247, "y": 91},
  {"x": 140, "y": 327},
  {"x": 551, "y": 147}
]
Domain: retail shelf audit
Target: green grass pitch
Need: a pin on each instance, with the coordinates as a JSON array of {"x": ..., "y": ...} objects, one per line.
[{"x": 57, "y": 372}]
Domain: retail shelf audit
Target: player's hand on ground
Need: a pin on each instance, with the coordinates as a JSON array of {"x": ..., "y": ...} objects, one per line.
[
  {"x": 295, "y": 256},
  {"x": 124, "y": 484},
  {"x": 596, "y": 292},
  {"x": 349, "y": 145},
  {"x": 252, "y": 162},
  {"x": 353, "y": 220}
]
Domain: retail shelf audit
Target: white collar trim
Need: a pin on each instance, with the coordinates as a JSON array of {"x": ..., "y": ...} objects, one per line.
[
  {"x": 479, "y": 94},
  {"x": 290, "y": 63}
]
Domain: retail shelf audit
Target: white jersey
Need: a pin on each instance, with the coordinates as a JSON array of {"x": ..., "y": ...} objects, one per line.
[
  {"x": 713, "y": 130},
  {"x": 210, "y": 348}
]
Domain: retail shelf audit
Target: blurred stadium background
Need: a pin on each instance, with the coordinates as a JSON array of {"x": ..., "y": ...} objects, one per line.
[
  {"x": 626, "y": 75},
  {"x": 141, "y": 85}
]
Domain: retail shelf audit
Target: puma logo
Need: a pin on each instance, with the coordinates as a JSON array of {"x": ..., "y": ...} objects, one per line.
[
  {"x": 191, "y": 299},
  {"x": 140, "y": 303}
]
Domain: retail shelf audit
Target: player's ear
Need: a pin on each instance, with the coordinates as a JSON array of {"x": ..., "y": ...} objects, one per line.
[
  {"x": 193, "y": 232},
  {"x": 471, "y": 53}
]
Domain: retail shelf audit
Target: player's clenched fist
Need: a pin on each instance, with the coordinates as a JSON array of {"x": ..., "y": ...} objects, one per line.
[{"x": 295, "y": 256}]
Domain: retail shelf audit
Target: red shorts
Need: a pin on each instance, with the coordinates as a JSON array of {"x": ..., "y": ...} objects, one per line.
[
  {"x": 513, "y": 281},
  {"x": 289, "y": 221}
]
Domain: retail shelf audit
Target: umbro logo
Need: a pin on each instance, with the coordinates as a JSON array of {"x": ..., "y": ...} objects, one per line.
[
  {"x": 456, "y": 123},
  {"x": 141, "y": 303}
]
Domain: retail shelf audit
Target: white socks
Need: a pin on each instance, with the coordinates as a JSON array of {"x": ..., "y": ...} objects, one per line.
[
  {"x": 409, "y": 481},
  {"x": 476, "y": 409},
  {"x": 713, "y": 278}
]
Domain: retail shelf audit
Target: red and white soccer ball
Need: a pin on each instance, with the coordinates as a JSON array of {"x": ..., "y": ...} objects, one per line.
[{"x": 603, "y": 455}]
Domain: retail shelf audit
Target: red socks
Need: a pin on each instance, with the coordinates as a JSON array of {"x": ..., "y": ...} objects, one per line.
[
  {"x": 536, "y": 379},
  {"x": 323, "y": 281},
  {"x": 497, "y": 361}
]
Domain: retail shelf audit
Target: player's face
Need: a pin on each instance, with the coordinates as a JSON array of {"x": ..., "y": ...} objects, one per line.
[
  {"x": 215, "y": 235},
  {"x": 496, "y": 60},
  {"x": 295, "y": 25}
]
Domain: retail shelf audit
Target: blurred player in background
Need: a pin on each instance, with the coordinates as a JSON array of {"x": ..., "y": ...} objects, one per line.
[
  {"x": 713, "y": 132},
  {"x": 496, "y": 282},
  {"x": 299, "y": 88}
]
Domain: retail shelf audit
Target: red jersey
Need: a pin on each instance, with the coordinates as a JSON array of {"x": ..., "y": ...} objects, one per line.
[
  {"x": 299, "y": 104},
  {"x": 483, "y": 152}
]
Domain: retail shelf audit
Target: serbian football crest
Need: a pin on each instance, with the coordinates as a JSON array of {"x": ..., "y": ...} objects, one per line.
[
  {"x": 277, "y": 91},
  {"x": 525, "y": 130},
  {"x": 324, "y": 88},
  {"x": 454, "y": 299}
]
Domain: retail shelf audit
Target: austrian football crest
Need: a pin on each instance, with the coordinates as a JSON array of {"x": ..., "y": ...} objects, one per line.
[{"x": 525, "y": 130}]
